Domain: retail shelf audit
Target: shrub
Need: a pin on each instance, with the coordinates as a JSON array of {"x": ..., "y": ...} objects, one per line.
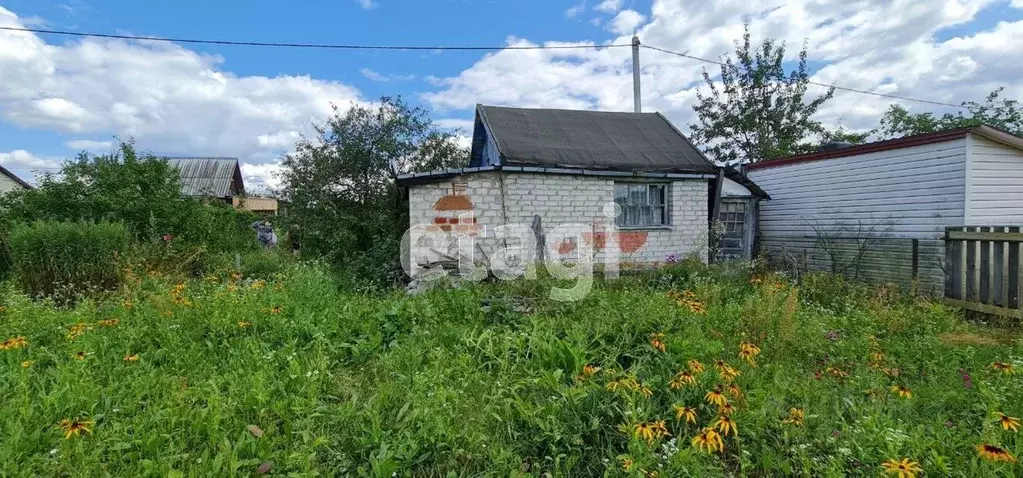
[{"x": 50, "y": 256}]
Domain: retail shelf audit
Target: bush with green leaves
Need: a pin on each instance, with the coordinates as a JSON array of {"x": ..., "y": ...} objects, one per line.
[{"x": 67, "y": 257}]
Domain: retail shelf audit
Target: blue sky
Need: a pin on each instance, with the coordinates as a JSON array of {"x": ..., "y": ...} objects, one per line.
[{"x": 65, "y": 94}]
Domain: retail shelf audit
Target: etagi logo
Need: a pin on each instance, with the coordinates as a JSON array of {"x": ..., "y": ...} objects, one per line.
[{"x": 506, "y": 251}]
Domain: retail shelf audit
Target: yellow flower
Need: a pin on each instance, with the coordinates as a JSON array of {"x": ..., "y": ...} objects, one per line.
[
  {"x": 650, "y": 474},
  {"x": 995, "y": 453},
  {"x": 695, "y": 366},
  {"x": 729, "y": 374},
  {"x": 645, "y": 390},
  {"x": 682, "y": 379},
  {"x": 721, "y": 365},
  {"x": 715, "y": 397},
  {"x": 748, "y": 352},
  {"x": 904, "y": 468},
  {"x": 748, "y": 357},
  {"x": 243, "y": 324},
  {"x": 643, "y": 432},
  {"x": 14, "y": 343},
  {"x": 236, "y": 276},
  {"x": 658, "y": 345},
  {"x": 1007, "y": 422},
  {"x": 709, "y": 440},
  {"x": 726, "y": 425},
  {"x": 1003, "y": 367},
  {"x": 735, "y": 391},
  {"x": 108, "y": 323},
  {"x": 726, "y": 409},
  {"x": 259, "y": 284},
  {"x": 588, "y": 371},
  {"x": 627, "y": 464},
  {"x": 75, "y": 427},
  {"x": 131, "y": 358},
  {"x": 837, "y": 372},
  {"x": 27, "y": 363},
  {"x": 276, "y": 310},
  {"x": 77, "y": 330},
  {"x": 689, "y": 413},
  {"x": 902, "y": 391},
  {"x": 81, "y": 355},
  {"x": 660, "y": 429},
  {"x": 795, "y": 417},
  {"x": 613, "y": 385}
]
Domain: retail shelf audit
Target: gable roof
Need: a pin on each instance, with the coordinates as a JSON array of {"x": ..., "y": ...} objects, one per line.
[
  {"x": 636, "y": 142},
  {"x": 989, "y": 132},
  {"x": 209, "y": 177},
  {"x": 15, "y": 178}
]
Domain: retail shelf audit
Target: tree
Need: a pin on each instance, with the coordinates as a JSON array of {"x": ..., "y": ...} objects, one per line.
[
  {"x": 341, "y": 186},
  {"x": 1004, "y": 114},
  {"x": 758, "y": 111}
]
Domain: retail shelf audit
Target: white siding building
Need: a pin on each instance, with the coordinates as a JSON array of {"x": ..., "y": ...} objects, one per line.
[
  {"x": 10, "y": 182},
  {"x": 902, "y": 189}
]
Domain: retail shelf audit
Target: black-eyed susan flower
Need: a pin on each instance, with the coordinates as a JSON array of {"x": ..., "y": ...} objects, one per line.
[
  {"x": 687, "y": 413},
  {"x": 837, "y": 372},
  {"x": 627, "y": 463},
  {"x": 708, "y": 440},
  {"x": 131, "y": 358},
  {"x": 695, "y": 366},
  {"x": 716, "y": 397},
  {"x": 721, "y": 365},
  {"x": 795, "y": 418},
  {"x": 14, "y": 343},
  {"x": 650, "y": 474},
  {"x": 682, "y": 379},
  {"x": 81, "y": 355},
  {"x": 1007, "y": 422},
  {"x": 1003, "y": 367},
  {"x": 275, "y": 310},
  {"x": 27, "y": 363},
  {"x": 726, "y": 425},
  {"x": 902, "y": 391},
  {"x": 735, "y": 391},
  {"x": 749, "y": 352},
  {"x": 729, "y": 374},
  {"x": 588, "y": 371},
  {"x": 995, "y": 453},
  {"x": 75, "y": 427},
  {"x": 726, "y": 409},
  {"x": 903, "y": 469},
  {"x": 643, "y": 389},
  {"x": 657, "y": 342},
  {"x": 108, "y": 323},
  {"x": 643, "y": 431},
  {"x": 243, "y": 324},
  {"x": 659, "y": 428}
]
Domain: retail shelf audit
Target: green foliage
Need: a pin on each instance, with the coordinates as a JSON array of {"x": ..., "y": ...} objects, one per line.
[
  {"x": 1000, "y": 113},
  {"x": 67, "y": 258},
  {"x": 758, "y": 111},
  {"x": 483, "y": 379},
  {"x": 344, "y": 204}
]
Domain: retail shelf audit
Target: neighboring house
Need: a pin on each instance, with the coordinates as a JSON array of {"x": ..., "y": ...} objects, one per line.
[
  {"x": 9, "y": 182},
  {"x": 219, "y": 178},
  {"x": 910, "y": 188},
  {"x": 565, "y": 167},
  {"x": 256, "y": 204}
]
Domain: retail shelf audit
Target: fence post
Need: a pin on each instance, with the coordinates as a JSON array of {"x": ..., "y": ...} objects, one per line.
[{"x": 916, "y": 260}]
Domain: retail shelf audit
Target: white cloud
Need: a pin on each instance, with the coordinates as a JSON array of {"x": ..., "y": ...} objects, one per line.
[
  {"x": 626, "y": 22},
  {"x": 576, "y": 9},
  {"x": 170, "y": 99},
  {"x": 26, "y": 165},
  {"x": 89, "y": 145},
  {"x": 888, "y": 47},
  {"x": 367, "y": 4},
  {"x": 465, "y": 125},
  {"x": 611, "y": 6},
  {"x": 382, "y": 78}
]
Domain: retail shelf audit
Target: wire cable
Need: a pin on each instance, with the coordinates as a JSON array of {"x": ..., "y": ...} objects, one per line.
[
  {"x": 309, "y": 45},
  {"x": 825, "y": 85}
]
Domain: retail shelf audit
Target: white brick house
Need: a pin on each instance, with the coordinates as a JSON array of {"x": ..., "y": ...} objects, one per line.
[{"x": 572, "y": 167}]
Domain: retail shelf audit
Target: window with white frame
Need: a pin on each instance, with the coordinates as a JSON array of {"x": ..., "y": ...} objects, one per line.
[{"x": 642, "y": 204}]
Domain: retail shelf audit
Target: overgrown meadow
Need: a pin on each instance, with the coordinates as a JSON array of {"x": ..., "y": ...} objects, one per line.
[{"x": 686, "y": 371}]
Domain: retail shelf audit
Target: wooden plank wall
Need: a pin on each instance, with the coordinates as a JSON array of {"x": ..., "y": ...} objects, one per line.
[{"x": 982, "y": 269}]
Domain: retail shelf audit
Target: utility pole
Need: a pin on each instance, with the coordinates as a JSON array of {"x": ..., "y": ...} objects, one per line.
[{"x": 636, "y": 96}]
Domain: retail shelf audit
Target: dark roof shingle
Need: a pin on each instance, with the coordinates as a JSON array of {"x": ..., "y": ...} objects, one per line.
[{"x": 637, "y": 142}]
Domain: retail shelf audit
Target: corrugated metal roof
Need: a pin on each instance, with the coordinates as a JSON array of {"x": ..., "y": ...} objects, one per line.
[{"x": 209, "y": 177}]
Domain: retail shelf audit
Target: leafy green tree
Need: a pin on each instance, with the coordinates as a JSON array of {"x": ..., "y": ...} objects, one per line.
[
  {"x": 343, "y": 199},
  {"x": 759, "y": 111},
  {"x": 995, "y": 111}
]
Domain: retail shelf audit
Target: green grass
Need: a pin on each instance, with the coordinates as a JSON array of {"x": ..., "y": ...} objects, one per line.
[{"x": 436, "y": 385}]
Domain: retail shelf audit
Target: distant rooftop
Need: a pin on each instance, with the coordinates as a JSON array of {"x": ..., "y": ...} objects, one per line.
[{"x": 209, "y": 176}]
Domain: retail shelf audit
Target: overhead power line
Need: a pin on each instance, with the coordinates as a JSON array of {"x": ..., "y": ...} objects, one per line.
[
  {"x": 825, "y": 85},
  {"x": 331, "y": 46}
]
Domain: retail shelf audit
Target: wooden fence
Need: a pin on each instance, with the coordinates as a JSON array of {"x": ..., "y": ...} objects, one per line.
[{"x": 982, "y": 269}]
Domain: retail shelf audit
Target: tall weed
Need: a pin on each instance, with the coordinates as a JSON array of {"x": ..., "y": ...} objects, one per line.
[{"x": 50, "y": 256}]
